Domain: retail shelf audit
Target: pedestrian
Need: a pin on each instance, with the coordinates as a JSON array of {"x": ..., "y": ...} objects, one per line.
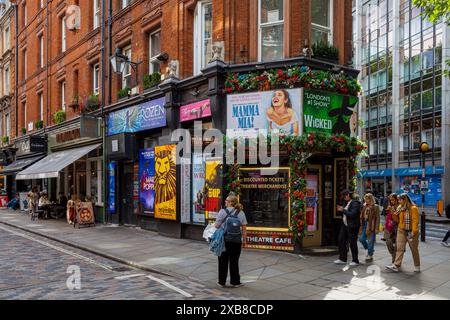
[
  {"x": 407, "y": 217},
  {"x": 71, "y": 209},
  {"x": 370, "y": 220},
  {"x": 348, "y": 235},
  {"x": 233, "y": 220},
  {"x": 445, "y": 240},
  {"x": 390, "y": 226}
]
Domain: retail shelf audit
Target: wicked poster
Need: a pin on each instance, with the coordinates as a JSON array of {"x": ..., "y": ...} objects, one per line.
[
  {"x": 213, "y": 187},
  {"x": 147, "y": 180},
  {"x": 165, "y": 182}
]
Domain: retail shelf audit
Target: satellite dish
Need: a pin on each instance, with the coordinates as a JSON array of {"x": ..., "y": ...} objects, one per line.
[{"x": 73, "y": 17}]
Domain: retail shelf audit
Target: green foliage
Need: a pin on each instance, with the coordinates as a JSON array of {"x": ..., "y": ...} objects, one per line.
[
  {"x": 151, "y": 80},
  {"x": 92, "y": 104},
  {"x": 5, "y": 139},
  {"x": 24, "y": 131},
  {"x": 325, "y": 50},
  {"x": 59, "y": 117},
  {"x": 39, "y": 124},
  {"x": 123, "y": 93}
]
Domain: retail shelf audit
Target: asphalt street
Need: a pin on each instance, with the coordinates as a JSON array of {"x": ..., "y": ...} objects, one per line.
[{"x": 33, "y": 267}]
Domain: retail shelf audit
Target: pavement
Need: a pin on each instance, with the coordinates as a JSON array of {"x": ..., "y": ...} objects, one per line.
[{"x": 266, "y": 274}]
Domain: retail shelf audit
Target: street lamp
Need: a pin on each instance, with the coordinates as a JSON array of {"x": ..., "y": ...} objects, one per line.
[
  {"x": 120, "y": 62},
  {"x": 424, "y": 148}
]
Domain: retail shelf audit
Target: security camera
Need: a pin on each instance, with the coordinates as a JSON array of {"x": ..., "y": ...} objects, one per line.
[{"x": 163, "y": 56}]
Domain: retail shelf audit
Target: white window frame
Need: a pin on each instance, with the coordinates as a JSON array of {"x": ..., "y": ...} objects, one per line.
[
  {"x": 41, "y": 51},
  {"x": 127, "y": 70},
  {"x": 199, "y": 40},
  {"x": 326, "y": 29},
  {"x": 63, "y": 35},
  {"x": 7, "y": 125},
  {"x": 96, "y": 21},
  {"x": 25, "y": 123},
  {"x": 6, "y": 39},
  {"x": 268, "y": 24},
  {"x": 25, "y": 64},
  {"x": 125, "y": 3},
  {"x": 96, "y": 79},
  {"x": 7, "y": 83},
  {"x": 63, "y": 96},
  {"x": 41, "y": 106},
  {"x": 152, "y": 59}
]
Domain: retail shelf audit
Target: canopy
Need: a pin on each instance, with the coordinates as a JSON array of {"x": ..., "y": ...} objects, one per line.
[
  {"x": 50, "y": 166},
  {"x": 19, "y": 165}
]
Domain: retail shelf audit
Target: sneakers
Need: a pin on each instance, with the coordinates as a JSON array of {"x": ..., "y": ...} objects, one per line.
[
  {"x": 369, "y": 258},
  {"x": 445, "y": 244},
  {"x": 393, "y": 267},
  {"x": 221, "y": 285},
  {"x": 417, "y": 269},
  {"x": 237, "y": 285},
  {"x": 339, "y": 261},
  {"x": 354, "y": 264}
]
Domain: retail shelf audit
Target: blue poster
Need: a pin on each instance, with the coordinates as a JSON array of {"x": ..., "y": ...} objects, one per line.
[
  {"x": 112, "y": 187},
  {"x": 147, "y": 180},
  {"x": 411, "y": 186},
  {"x": 148, "y": 115}
]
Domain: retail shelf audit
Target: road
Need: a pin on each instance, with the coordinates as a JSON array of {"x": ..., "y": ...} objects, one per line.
[
  {"x": 435, "y": 231},
  {"x": 33, "y": 267}
]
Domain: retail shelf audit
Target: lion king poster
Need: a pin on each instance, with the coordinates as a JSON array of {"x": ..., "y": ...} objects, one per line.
[{"x": 165, "y": 182}]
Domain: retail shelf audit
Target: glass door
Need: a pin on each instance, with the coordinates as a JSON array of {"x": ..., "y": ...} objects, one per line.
[{"x": 313, "y": 207}]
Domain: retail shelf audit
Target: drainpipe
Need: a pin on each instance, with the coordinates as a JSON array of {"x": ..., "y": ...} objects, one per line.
[
  {"x": 103, "y": 120},
  {"x": 16, "y": 69},
  {"x": 48, "y": 62}
]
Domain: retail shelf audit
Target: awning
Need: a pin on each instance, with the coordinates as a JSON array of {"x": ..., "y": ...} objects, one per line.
[
  {"x": 50, "y": 166},
  {"x": 19, "y": 165}
]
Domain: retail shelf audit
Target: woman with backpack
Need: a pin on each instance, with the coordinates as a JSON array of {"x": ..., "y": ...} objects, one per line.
[
  {"x": 233, "y": 220},
  {"x": 390, "y": 226}
]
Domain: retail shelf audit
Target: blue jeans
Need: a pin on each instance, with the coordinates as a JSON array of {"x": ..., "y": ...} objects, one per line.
[{"x": 367, "y": 242}]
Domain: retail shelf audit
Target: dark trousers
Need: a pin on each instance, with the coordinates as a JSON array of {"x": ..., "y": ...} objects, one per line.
[
  {"x": 231, "y": 257},
  {"x": 348, "y": 237},
  {"x": 447, "y": 236}
]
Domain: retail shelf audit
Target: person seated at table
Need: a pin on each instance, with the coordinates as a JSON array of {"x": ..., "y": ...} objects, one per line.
[
  {"x": 14, "y": 203},
  {"x": 44, "y": 203},
  {"x": 62, "y": 200}
]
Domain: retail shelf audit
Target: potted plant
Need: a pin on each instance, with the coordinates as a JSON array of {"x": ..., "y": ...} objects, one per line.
[
  {"x": 5, "y": 140},
  {"x": 325, "y": 51},
  {"x": 125, "y": 92},
  {"x": 39, "y": 124},
  {"x": 59, "y": 117},
  {"x": 92, "y": 104},
  {"x": 151, "y": 80},
  {"x": 24, "y": 131},
  {"x": 74, "y": 103}
]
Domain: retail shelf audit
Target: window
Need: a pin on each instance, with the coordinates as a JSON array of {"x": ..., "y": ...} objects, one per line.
[
  {"x": 95, "y": 181},
  {"x": 271, "y": 30},
  {"x": 25, "y": 66},
  {"x": 41, "y": 106},
  {"x": 6, "y": 39},
  {"x": 25, "y": 14},
  {"x": 96, "y": 79},
  {"x": 125, "y": 3},
  {"x": 42, "y": 4},
  {"x": 7, "y": 125},
  {"x": 6, "y": 80},
  {"x": 126, "y": 75},
  {"x": 96, "y": 14},
  {"x": 154, "y": 51},
  {"x": 202, "y": 35},
  {"x": 24, "y": 114},
  {"x": 63, "y": 96},
  {"x": 322, "y": 21},
  {"x": 41, "y": 51},
  {"x": 63, "y": 34}
]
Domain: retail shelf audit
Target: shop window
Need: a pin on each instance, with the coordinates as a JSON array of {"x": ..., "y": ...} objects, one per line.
[
  {"x": 271, "y": 30},
  {"x": 202, "y": 35},
  {"x": 322, "y": 21}
]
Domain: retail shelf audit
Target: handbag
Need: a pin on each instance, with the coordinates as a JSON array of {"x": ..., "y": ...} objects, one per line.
[
  {"x": 217, "y": 243},
  {"x": 209, "y": 231},
  {"x": 389, "y": 225}
]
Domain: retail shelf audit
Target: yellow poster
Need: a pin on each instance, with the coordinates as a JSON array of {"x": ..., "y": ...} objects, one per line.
[
  {"x": 213, "y": 187},
  {"x": 165, "y": 183}
]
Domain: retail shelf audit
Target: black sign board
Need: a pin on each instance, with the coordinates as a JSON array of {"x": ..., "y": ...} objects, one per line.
[
  {"x": 121, "y": 146},
  {"x": 30, "y": 145}
]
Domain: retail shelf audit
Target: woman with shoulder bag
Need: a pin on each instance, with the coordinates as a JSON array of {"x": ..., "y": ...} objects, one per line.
[
  {"x": 390, "y": 226},
  {"x": 407, "y": 217},
  {"x": 231, "y": 215}
]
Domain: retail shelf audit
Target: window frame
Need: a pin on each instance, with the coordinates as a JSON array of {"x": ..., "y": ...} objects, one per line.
[
  {"x": 127, "y": 72},
  {"x": 96, "y": 79},
  {"x": 329, "y": 30},
  {"x": 97, "y": 14},
  {"x": 199, "y": 40},
  {"x": 152, "y": 59},
  {"x": 63, "y": 35},
  {"x": 270, "y": 24}
]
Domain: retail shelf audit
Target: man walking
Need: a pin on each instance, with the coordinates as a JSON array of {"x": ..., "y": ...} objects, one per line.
[{"x": 348, "y": 235}]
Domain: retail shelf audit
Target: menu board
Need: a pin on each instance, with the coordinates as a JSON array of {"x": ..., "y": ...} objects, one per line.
[
  {"x": 270, "y": 240},
  {"x": 340, "y": 183},
  {"x": 265, "y": 198}
]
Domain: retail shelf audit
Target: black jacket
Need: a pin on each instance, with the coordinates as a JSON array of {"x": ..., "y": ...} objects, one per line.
[{"x": 353, "y": 214}]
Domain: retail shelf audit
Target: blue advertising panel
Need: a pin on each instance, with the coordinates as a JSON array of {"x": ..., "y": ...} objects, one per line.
[
  {"x": 148, "y": 115},
  {"x": 411, "y": 186},
  {"x": 112, "y": 187},
  {"x": 147, "y": 180}
]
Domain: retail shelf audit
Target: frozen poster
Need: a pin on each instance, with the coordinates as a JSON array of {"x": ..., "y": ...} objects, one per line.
[
  {"x": 147, "y": 180},
  {"x": 198, "y": 188},
  {"x": 270, "y": 111}
]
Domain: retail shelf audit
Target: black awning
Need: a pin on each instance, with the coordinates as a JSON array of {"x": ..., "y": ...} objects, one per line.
[{"x": 20, "y": 164}]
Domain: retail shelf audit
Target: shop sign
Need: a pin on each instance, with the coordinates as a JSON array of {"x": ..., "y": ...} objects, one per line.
[
  {"x": 68, "y": 136},
  {"x": 197, "y": 110},
  {"x": 186, "y": 187},
  {"x": 278, "y": 110},
  {"x": 270, "y": 240},
  {"x": 165, "y": 182},
  {"x": 147, "y": 180},
  {"x": 85, "y": 213},
  {"x": 30, "y": 145},
  {"x": 148, "y": 115},
  {"x": 213, "y": 187},
  {"x": 330, "y": 113},
  {"x": 198, "y": 188},
  {"x": 112, "y": 187}
]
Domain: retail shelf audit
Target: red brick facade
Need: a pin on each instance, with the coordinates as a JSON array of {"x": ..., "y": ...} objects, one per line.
[{"x": 235, "y": 22}]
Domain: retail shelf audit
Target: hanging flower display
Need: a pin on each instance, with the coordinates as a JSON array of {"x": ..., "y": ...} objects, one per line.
[{"x": 292, "y": 77}]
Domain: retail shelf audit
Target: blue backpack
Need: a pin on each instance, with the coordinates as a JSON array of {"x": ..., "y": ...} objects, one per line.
[{"x": 232, "y": 227}]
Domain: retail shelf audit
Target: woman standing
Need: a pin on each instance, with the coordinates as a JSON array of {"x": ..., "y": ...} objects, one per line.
[
  {"x": 232, "y": 210},
  {"x": 390, "y": 226},
  {"x": 370, "y": 220},
  {"x": 407, "y": 217}
]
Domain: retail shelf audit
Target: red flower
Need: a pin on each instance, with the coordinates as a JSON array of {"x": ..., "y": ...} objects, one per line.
[{"x": 302, "y": 195}]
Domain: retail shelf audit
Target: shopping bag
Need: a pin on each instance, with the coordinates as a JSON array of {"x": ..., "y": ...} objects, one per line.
[
  {"x": 217, "y": 243},
  {"x": 209, "y": 231}
]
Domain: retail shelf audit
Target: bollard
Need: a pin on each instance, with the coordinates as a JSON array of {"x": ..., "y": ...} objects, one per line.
[{"x": 422, "y": 226}]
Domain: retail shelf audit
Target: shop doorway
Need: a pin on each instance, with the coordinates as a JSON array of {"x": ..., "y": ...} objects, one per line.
[
  {"x": 127, "y": 216},
  {"x": 81, "y": 185},
  {"x": 314, "y": 207}
]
